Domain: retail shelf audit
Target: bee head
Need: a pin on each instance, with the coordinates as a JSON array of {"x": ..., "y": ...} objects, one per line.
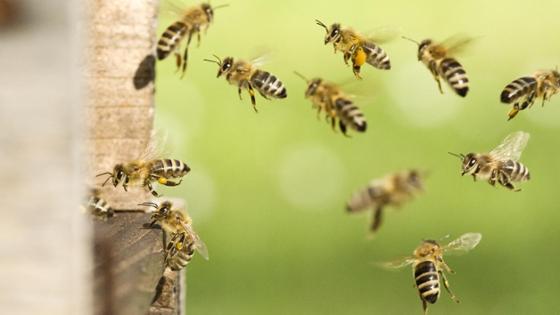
[
  {"x": 423, "y": 46},
  {"x": 207, "y": 8},
  {"x": 119, "y": 175},
  {"x": 556, "y": 76},
  {"x": 415, "y": 179},
  {"x": 333, "y": 32},
  {"x": 162, "y": 211},
  {"x": 312, "y": 87},
  {"x": 470, "y": 163},
  {"x": 225, "y": 65}
]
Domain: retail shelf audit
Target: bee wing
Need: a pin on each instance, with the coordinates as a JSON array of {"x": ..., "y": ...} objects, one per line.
[
  {"x": 174, "y": 8},
  {"x": 260, "y": 60},
  {"x": 398, "y": 263},
  {"x": 455, "y": 44},
  {"x": 463, "y": 244},
  {"x": 156, "y": 146},
  {"x": 511, "y": 147},
  {"x": 383, "y": 34},
  {"x": 199, "y": 245}
]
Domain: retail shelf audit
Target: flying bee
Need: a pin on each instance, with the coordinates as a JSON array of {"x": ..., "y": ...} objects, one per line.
[
  {"x": 329, "y": 98},
  {"x": 501, "y": 164},
  {"x": 355, "y": 47},
  {"x": 247, "y": 75},
  {"x": 145, "y": 172},
  {"x": 524, "y": 91},
  {"x": 392, "y": 190},
  {"x": 428, "y": 266},
  {"x": 184, "y": 241},
  {"x": 438, "y": 57},
  {"x": 97, "y": 206},
  {"x": 191, "y": 22}
]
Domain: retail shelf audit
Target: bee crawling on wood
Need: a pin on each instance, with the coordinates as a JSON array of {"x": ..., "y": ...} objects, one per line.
[{"x": 183, "y": 240}]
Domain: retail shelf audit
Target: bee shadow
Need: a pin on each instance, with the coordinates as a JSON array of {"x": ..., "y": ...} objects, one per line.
[{"x": 145, "y": 73}]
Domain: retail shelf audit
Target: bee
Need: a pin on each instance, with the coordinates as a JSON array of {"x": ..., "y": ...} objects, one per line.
[
  {"x": 97, "y": 206},
  {"x": 145, "y": 172},
  {"x": 428, "y": 266},
  {"x": 438, "y": 57},
  {"x": 392, "y": 190},
  {"x": 524, "y": 91},
  {"x": 184, "y": 241},
  {"x": 191, "y": 22},
  {"x": 501, "y": 164},
  {"x": 246, "y": 75},
  {"x": 356, "y": 48},
  {"x": 329, "y": 98}
]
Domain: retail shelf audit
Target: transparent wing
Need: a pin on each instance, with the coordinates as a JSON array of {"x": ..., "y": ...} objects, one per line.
[
  {"x": 456, "y": 44},
  {"x": 173, "y": 8},
  {"x": 511, "y": 147},
  {"x": 155, "y": 147},
  {"x": 383, "y": 34},
  {"x": 398, "y": 263},
  {"x": 260, "y": 60},
  {"x": 463, "y": 244},
  {"x": 199, "y": 245}
]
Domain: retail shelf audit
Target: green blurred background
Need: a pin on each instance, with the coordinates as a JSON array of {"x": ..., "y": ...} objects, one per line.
[{"x": 267, "y": 190}]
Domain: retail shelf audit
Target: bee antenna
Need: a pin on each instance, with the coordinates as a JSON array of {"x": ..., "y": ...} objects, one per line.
[
  {"x": 221, "y": 6},
  {"x": 104, "y": 173},
  {"x": 301, "y": 76},
  {"x": 149, "y": 204},
  {"x": 321, "y": 24},
  {"x": 410, "y": 39},
  {"x": 218, "y": 61},
  {"x": 460, "y": 155},
  {"x": 108, "y": 178}
]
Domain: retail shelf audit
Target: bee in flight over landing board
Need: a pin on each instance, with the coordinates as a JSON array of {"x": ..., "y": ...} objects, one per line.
[
  {"x": 97, "y": 206},
  {"x": 428, "y": 266},
  {"x": 183, "y": 240},
  {"x": 501, "y": 164},
  {"x": 524, "y": 91},
  {"x": 247, "y": 75},
  {"x": 440, "y": 60},
  {"x": 191, "y": 21},
  {"x": 357, "y": 48},
  {"x": 328, "y": 97},
  {"x": 392, "y": 190},
  {"x": 146, "y": 170}
]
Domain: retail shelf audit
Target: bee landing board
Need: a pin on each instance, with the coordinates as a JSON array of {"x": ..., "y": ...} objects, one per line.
[{"x": 121, "y": 36}]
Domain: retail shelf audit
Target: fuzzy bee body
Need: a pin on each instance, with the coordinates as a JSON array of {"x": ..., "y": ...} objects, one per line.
[
  {"x": 191, "y": 22},
  {"x": 437, "y": 57},
  {"x": 246, "y": 75},
  {"x": 523, "y": 91},
  {"x": 355, "y": 48},
  {"x": 429, "y": 267},
  {"x": 99, "y": 207},
  {"x": 183, "y": 241},
  {"x": 144, "y": 173},
  {"x": 392, "y": 190},
  {"x": 500, "y": 165}
]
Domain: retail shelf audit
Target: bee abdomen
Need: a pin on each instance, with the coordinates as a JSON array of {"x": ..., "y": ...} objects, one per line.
[
  {"x": 427, "y": 281},
  {"x": 268, "y": 84},
  {"x": 517, "y": 89},
  {"x": 350, "y": 114},
  {"x": 181, "y": 259},
  {"x": 364, "y": 199},
  {"x": 516, "y": 171},
  {"x": 170, "y": 168},
  {"x": 455, "y": 75},
  {"x": 170, "y": 39},
  {"x": 376, "y": 56},
  {"x": 99, "y": 207}
]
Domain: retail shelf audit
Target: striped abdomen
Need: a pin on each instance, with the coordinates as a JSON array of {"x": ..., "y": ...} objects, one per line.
[
  {"x": 516, "y": 171},
  {"x": 180, "y": 251},
  {"x": 268, "y": 85},
  {"x": 99, "y": 207},
  {"x": 366, "y": 198},
  {"x": 376, "y": 56},
  {"x": 521, "y": 87},
  {"x": 454, "y": 74},
  {"x": 427, "y": 281},
  {"x": 350, "y": 115},
  {"x": 169, "y": 168},
  {"x": 170, "y": 39}
]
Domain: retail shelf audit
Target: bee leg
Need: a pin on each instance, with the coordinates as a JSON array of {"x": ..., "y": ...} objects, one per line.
[
  {"x": 347, "y": 56},
  {"x": 166, "y": 182},
  {"x": 377, "y": 219},
  {"x": 185, "y": 59},
  {"x": 178, "y": 59},
  {"x": 513, "y": 112},
  {"x": 197, "y": 31},
  {"x": 356, "y": 71},
  {"x": 152, "y": 190},
  {"x": 504, "y": 181},
  {"x": 342, "y": 127},
  {"x": 424, "y": 306},
  {"x": 239, "y": 87},
  {"x": 446, "y": 285},
  {"x": 252, "y": 93}
]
